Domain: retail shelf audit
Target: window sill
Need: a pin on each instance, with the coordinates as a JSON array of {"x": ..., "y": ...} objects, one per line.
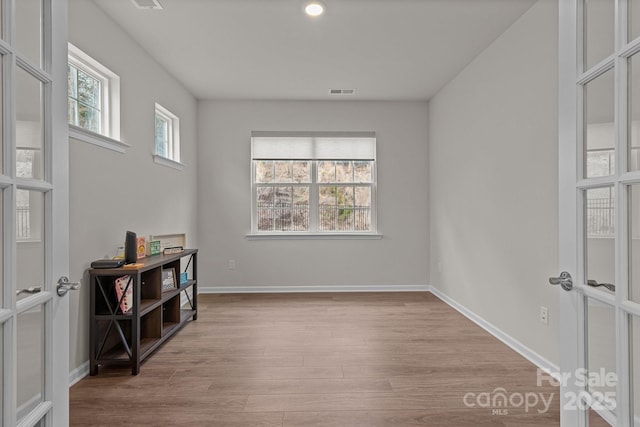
[
  {"x": 84, "y": 135},
  {"x": 314, "y": 236},
  {"x": 161, "y": 160}
]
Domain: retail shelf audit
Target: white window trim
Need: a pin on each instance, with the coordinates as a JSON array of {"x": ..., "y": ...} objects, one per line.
[
  {"x": 164, "y": 161},
  {"x": 110, "y": 109},
  {"x": 80, "y": 134},
  {"x": 174, "y": 135},
  {"x": 315, "y": 235}
]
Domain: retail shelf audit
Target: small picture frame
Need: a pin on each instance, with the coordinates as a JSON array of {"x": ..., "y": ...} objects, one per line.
[{"x": 168, "y": 279}]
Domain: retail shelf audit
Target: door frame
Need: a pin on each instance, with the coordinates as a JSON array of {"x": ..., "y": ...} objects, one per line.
[
  {"x": 569, "y": 315},
  {"x": 573, "y": 328},
  {"x": 52, "y": 73}
]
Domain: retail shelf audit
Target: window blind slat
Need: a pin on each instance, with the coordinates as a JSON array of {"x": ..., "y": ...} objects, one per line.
[
  {"x": 281, "y": 148},
  {"x": 345, "y": 148},
  {"x": 313, "y": 147}
]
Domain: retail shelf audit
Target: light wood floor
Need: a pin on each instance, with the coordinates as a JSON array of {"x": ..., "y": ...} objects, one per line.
[{"x": 348, "y": 359}]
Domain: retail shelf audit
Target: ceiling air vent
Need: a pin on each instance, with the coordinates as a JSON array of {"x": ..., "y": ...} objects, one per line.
[
  {"x": 341, "y": 91},
  {"x": 147, "y": 4}
]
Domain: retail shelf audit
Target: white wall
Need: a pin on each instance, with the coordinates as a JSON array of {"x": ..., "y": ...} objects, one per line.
[
  {"x": 112, "y": 192},
  {"x": 493, "y": 182},
  {"x": 224, "y": 129}
]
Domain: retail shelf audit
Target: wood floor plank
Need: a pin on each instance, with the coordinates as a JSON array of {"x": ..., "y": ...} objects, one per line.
[
  {"x": 172, "y": 417},
  {"x": 254, "y": 386},
  {"x": 261, "y": 372},
  {"x": 330, "y": 359},
  {"x": 432, "y": 418}
]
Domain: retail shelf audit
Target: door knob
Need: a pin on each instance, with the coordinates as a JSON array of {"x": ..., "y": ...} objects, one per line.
[
  {"x": 64, "y": 286},
  {"x": 564, "y": 280}
]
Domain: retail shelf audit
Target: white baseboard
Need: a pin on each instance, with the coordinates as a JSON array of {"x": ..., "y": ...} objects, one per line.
[
  {"x": 535, "y": 358},
  {"x": 314, "y": 288},
  {"x": 79, "y": 373}
]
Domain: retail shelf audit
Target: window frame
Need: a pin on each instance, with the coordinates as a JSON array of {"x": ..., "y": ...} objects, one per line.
[
  {"x": 173, "y": 138},
  {"x": 109, "y": 134},
  {"x": 314, "y": 185}
]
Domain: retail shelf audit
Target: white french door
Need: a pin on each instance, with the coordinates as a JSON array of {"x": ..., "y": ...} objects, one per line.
[
  {"x": 34, "y": 319},
  {"x": 599, "y": 157}
]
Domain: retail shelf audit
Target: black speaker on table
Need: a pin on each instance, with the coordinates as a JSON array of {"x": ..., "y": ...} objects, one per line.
[{"x": 131, "y": 248}]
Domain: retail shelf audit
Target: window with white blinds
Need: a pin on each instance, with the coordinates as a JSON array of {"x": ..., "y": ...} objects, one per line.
[{"x": 316, "y": 182}]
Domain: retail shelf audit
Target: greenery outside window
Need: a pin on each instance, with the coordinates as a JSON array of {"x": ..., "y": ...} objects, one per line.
[{"x": 85, "y": 99}]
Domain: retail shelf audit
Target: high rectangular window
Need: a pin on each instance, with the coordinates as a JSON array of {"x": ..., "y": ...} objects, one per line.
[
  {"x": 313, "y": 182},
  {"x": 167, "y": 143}
]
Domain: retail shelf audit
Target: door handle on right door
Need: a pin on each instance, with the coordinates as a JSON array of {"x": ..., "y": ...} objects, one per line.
[
  {"x": 564, "y": 280},
  {"x": 64, "y": 286}
]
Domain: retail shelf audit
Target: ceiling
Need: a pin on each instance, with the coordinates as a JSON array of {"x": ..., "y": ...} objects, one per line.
[{"x": 269, "y": 49}]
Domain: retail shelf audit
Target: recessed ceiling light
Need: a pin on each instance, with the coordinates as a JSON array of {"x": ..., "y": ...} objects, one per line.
[{"x": 314, "y": 8}]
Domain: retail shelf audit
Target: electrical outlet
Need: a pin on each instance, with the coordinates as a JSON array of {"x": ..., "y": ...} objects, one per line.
[
  {"x": 232, "y": 264},
  {"x": 544, "y": 315}
]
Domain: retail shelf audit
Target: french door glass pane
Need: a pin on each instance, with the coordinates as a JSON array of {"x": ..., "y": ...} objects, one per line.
[
  {"x": 634, "y": 19},
  {"x": 634, "y": 346},
  {"x": 601, "y": 353},
  {"x": 598, "y": 130},
  {"x": 599, "y": 236},
  {"x": 1, "y": 370},
  {"x": 29, "y": 126},
  {"x": 634, "y": 243},
  {"x": 1, "y": 103},
  {"x": 30, "y": 253},
  {"x": 2, "y": 284},
  {"x": 30, "y": 360},
  {"x": 634, "y": 111},
  {"x": 29, "y": 29},
  {"x": 599, "y": 30}
]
